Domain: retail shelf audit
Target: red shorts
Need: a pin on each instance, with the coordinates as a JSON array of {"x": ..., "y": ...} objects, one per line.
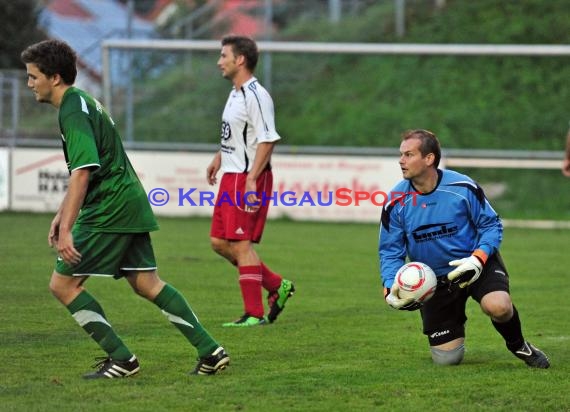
[{"x": 230, "y": 220}]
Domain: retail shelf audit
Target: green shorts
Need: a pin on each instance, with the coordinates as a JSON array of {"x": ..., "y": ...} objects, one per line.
[{"x": 109, "y": 254}]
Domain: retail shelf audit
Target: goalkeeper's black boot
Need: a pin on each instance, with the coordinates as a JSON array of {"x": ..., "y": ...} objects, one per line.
[{"x": 533, "y": 357}]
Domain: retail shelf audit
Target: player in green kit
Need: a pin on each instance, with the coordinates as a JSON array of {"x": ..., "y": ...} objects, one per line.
[{"x": 102, "y": 226}]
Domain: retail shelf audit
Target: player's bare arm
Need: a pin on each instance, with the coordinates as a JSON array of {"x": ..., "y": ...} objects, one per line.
[
  {"x": 213, "y": 167},
  {"x": 76, "y": 191},
  {"x": 53, "y": 234},
  {"x": 262, "y": 158}
]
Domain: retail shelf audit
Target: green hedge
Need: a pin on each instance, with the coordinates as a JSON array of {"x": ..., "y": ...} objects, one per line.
[{"x": 357, "y": 100}]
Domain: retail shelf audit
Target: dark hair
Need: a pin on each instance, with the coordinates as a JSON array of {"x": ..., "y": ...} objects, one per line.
[
  {"x": 52, "y": 57},
  {"x": 429, "y": 143},
  {"x": 243, "y": 46}
]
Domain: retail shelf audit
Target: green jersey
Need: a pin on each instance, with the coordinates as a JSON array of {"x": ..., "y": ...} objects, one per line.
[{"x": 116, "y": 200}]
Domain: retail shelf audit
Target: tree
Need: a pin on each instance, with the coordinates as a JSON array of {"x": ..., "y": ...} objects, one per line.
[{"x": 18, "y": 29}]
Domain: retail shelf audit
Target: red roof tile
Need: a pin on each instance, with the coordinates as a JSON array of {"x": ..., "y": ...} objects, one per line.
[{"x": 68, "y": 8}]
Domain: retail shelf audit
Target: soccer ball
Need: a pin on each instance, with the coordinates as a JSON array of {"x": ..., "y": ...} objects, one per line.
[{"x": 416, "y": 280}]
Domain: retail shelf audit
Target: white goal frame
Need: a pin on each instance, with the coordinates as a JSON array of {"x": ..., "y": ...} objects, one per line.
[
  {"x": 543, "y": 50},
  {"x": 491, "y": 158}
]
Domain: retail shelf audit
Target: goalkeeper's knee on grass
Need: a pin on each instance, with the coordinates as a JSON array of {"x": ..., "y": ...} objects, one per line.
[{"x": 448, "y": 357}]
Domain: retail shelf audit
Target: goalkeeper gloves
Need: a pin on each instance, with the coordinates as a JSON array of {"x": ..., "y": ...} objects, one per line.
[
  {"x": 394, "y": 301},
  {"x": 466, "y": 272}
]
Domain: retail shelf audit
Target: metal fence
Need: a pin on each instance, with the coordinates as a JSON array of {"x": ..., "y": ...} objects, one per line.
[{"x": 9, "y": 102}]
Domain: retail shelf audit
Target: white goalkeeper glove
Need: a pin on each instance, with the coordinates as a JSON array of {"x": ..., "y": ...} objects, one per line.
[
  {"x": 466, "y": 272},
  {"x": 394, "y": 301}
]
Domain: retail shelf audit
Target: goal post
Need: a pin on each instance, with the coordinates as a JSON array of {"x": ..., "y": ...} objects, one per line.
[{"x": 536, "y": 50}]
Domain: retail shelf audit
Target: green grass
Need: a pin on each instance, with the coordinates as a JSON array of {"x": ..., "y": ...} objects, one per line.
[{"x": 336, "y": 347}]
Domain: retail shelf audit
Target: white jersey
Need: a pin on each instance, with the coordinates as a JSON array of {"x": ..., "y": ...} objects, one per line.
[{"x": 248, "y": 119}]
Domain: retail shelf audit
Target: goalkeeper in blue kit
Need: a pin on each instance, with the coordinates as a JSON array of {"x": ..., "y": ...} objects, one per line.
[{"x": 443, "y": 219}]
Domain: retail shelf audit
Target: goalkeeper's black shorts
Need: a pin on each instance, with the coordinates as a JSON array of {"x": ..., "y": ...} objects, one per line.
[{"x": 444, "y": 317}]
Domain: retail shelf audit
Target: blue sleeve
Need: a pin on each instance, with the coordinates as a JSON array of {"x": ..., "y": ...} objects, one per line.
[
  {"x": 391, "y": 246},
  {"x": 487, "y": 222}
]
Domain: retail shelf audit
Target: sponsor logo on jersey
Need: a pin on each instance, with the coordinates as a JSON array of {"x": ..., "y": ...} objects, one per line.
[
  {"x": 226, "y": 132},
  {"x": 239, "y": 231},
  {"x": 425, "y": 205},
  {"x": 440, "y": 333},
  {"x": 227, "y": 149},
  {"x": 434, "y": 231}
]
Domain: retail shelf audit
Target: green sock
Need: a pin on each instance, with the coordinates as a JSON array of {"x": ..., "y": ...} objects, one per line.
[
  {"x": 180, "y": 314},
  {"x": 89, "y": 314}
]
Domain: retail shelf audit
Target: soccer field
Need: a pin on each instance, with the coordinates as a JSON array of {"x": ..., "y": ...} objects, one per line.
[{"x": 336, "y": 347}]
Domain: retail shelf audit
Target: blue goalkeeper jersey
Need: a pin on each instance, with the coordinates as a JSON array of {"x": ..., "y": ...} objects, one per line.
[{"x": 435, "y": 228}]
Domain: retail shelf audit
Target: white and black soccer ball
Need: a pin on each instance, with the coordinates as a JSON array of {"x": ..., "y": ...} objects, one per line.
[{"x": 416, "y": 280}]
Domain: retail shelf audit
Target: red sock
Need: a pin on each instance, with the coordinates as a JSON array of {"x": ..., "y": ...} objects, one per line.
[
  {"x": 250, "y": 284},
  {"x": 270, "y": 280}
]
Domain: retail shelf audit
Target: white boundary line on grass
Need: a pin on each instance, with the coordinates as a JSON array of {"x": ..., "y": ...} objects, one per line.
[
  {"x": 503, "y": 163},
  {"x": 537, "y": 224}
]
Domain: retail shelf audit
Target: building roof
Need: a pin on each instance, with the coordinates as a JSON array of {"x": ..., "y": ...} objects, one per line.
[
  {"x": 228, "y": 16},
  {"x": 240, "y": 17},
  {"x": 84, "y": 24}
]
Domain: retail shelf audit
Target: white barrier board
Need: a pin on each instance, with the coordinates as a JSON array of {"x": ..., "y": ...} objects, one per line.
[
  {"x": 4, "y": 178},
  {"x": 330, "y": 188},
  {"x": 342, "y": 188},
  {"x": 164, "y": 175},
  {"x": 39, "y": 179}
]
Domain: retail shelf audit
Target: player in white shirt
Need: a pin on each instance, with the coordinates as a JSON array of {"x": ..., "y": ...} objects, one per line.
[
  {"x": 247, "y": 120},
  {"x": 248, "y": 136}
]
